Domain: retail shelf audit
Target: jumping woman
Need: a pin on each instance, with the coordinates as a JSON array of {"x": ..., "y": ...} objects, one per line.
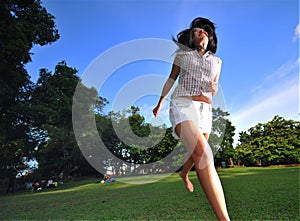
[{"x": 197, "y": 68}]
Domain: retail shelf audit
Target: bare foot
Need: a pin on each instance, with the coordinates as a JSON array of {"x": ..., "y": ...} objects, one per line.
[{"x": 187, "y": 182}]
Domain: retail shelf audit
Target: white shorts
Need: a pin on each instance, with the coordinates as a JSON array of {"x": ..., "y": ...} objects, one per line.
[{"x": 184, "y": 108}]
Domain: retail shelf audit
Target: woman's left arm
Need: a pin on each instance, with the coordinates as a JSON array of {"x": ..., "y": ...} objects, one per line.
[{"x": 214, "y": 84}]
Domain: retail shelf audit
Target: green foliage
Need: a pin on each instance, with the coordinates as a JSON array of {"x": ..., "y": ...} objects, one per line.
[
  {"x": 272, "y": 143},
  {"x": 129, "y": 138},
  {"x": 221, "y": 138},
  {"x": 22, "y": 25},
  {"x": 52, "y": 101}
]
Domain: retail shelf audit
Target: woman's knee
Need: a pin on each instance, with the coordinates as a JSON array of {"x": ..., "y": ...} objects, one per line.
[{"x": 203, "y": 158}]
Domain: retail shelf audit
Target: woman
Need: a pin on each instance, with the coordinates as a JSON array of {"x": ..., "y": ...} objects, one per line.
[{"x": 198, "y": 70}]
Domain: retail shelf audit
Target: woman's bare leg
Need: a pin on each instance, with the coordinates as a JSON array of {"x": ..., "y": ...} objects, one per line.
[
  {"x": 184, "y": 174},
  {"x": 196, "y": 143},
  {"x": 212, "y": 187},
  {"x": 187, "y": 166}
]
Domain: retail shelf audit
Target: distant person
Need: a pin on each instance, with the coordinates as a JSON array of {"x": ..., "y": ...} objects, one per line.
[
  {"x": 108, "y": 179},
  {"x": 198, "y": 70},
  {"x": 50, "y": 183},
  {"x": 29, "y": 185},
  {"x": 37, "y": 185}
]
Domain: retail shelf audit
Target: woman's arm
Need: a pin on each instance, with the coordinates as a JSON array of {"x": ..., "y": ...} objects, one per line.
[
  {"x": 168, "y": 85},
  {"x": 214, "y": 83}
]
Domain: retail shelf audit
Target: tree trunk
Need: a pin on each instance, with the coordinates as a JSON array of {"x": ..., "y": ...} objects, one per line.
[{"x": 231, "y": 164}]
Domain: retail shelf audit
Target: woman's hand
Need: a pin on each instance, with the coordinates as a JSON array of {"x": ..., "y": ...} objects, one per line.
[
  {"x": 213, "y": 87},
  {"x": 156, "y": 110}
]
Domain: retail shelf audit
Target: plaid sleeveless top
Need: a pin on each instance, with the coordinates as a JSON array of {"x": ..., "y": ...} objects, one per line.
[{"x": 196, "y": 72}]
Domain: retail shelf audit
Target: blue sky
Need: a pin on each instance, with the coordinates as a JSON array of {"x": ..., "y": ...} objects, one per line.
[{"x": 258, "y": 43}]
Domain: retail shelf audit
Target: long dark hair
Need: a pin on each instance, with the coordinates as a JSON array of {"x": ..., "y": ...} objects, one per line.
[{"x": 185, "y": 38}]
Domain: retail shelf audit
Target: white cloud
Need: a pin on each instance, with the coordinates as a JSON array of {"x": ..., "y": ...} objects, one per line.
[
  {"x": 280, "y": 76},
  {"x": 278, "y": 94},
  {"x": 287, "y": 68},
  {"x": 285, "y": 103},
  {"x": 297, "y": 32}
]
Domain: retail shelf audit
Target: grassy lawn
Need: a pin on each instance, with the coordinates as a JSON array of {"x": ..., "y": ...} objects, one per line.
[{"x": 251, "y": 193}]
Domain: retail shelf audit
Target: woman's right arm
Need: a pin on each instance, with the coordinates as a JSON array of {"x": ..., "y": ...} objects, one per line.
[{"x": 168, "y": 85}]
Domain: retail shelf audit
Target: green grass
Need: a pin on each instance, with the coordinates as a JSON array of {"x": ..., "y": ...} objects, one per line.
[{"x": 251, "y": 194}]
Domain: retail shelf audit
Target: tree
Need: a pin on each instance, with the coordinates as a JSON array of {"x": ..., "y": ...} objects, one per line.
[
  {"x": 52, "y": 101},
  {"x": 221, "y": 138},
  {"x": 134, "y": 142},
  {"x": 23, "y": 23},
  {"x": 275, "y": 142}
]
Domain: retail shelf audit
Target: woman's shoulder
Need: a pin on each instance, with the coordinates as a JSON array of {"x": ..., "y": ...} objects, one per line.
[
  {"x": 215, "y": 57},
  {"x": 184, "y": 52}
]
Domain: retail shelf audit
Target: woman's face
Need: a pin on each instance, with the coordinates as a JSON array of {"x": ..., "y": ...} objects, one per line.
[{"x": 200, "y": 37}]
